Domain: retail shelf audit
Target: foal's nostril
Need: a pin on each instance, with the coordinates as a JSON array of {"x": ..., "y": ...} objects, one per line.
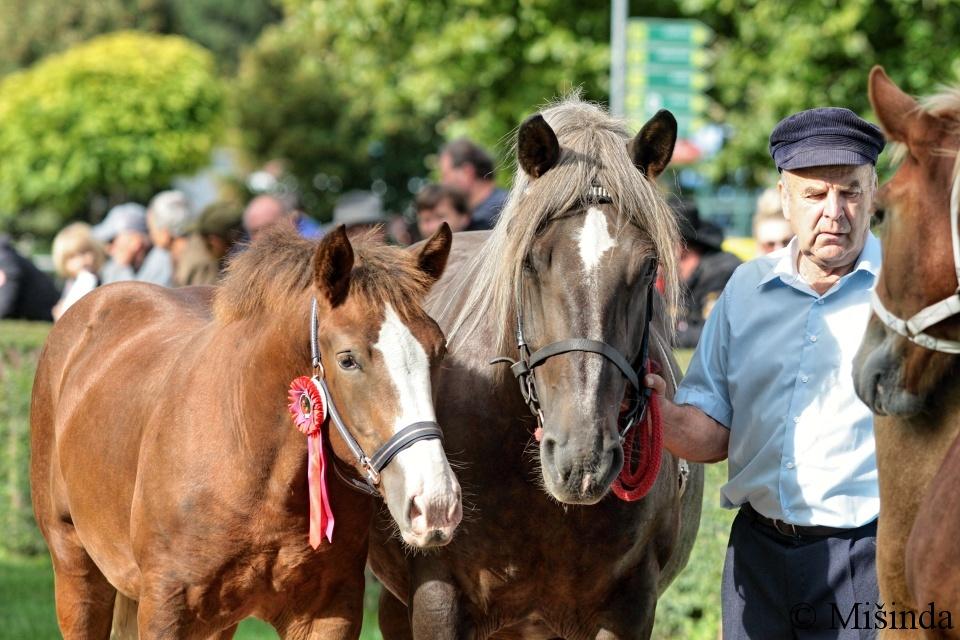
[{"x": 414, "y": 511}]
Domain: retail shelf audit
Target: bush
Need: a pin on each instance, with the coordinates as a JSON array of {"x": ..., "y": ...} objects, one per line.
[
  {"x": 116, "y": 117},
  {"x": 20, "y": 346}
]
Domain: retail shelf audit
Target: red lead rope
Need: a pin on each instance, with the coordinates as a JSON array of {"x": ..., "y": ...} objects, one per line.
[{"x": 642, "y": 452}]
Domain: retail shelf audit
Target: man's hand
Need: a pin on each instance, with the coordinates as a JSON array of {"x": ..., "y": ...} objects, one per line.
[{"x": 687, "y": 431}]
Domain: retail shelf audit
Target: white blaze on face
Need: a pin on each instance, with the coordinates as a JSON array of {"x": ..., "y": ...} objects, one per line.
[
  {"x": 595, "y": 239},
  {"x": 423, "y": 467},
  {"x": 409, "y": 369}
]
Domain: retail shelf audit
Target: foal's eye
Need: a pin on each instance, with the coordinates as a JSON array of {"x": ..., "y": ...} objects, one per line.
[{"x": 347, "y": 362}]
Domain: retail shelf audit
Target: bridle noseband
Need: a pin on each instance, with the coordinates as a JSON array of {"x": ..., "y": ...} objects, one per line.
[
  {"x": 524, "y": 367},
  {"x": 914, "y": 328},
  {"x": 399, "y": 441}
]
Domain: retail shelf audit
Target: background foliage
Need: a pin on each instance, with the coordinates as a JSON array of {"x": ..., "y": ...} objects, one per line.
[
  {"x": 31, "y": 29},
  {"x": 772, "y": 59},
  {"x": 114, "y": 118}
]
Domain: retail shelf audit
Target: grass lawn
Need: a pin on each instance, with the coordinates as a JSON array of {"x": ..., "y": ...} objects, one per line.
[{"x": 27, "y": 609}]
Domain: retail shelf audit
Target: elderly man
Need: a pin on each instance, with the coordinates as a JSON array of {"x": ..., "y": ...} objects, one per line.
[
  {"x": 124, "y": 232},
  {"x": 169, "y": 217},
  {"x": 770, "y": 388},
  {"x": 469, "y": 168}
]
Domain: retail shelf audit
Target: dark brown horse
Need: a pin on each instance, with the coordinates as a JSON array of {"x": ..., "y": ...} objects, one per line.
[
  {"x": 906, "y": 369},
  {"x": 546, "y": 550},
  {"x": 166, "y": 467}
]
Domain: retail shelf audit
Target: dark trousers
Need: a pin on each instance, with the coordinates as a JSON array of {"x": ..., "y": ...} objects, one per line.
[{"x": 781, "y": 587}]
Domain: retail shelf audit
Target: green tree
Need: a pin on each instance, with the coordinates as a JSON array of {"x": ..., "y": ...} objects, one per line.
[
  {"x": 114, "y": 118},
  {"x": 776, "y": 58},
  {"x": 32, "y": 29},
  {"x": 399, "y": 77}
]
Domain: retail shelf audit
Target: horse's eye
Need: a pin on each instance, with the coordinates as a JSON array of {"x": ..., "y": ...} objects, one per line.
[
  {"x": 347, "y": 362},
  {"x": 879, "y": 215}
]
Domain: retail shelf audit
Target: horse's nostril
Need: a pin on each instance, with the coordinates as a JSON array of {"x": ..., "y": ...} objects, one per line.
[{"x": 414, "y": 511}]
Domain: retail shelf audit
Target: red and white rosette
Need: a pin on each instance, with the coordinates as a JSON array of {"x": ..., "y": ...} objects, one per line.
[{"x": 308, "y": 408}]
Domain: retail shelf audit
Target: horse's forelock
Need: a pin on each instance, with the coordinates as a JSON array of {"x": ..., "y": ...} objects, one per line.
[
  {"x": 593, "y": 151},
  {"x": 274, "y": 274}
]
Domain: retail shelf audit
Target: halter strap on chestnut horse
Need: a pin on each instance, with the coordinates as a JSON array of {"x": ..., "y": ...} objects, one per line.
[
  {"x": 914, "y": 328},
  {"x": 399, "y": 441}
]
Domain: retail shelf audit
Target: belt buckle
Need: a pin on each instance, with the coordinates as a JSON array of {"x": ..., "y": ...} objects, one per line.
[{"x": 788, "y": 530}]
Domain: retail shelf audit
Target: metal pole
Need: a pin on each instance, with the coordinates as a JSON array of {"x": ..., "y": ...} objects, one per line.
[{"x": 619, "y": 11}]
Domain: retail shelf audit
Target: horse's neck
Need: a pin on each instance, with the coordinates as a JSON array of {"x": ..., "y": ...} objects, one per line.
[{"x": 266, "y": 356}]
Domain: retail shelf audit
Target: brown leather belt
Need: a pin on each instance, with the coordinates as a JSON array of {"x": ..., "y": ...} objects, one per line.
[{"x": 791, "y": 530}]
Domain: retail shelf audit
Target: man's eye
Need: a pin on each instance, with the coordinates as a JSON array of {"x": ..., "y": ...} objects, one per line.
[{"x": 347, "y": 362}]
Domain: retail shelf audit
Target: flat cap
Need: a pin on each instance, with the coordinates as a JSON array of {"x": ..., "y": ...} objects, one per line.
[
  {"x": 128, "y": 216},
  {"x": 822, "y": 137},
  {"x": 219, "y": 219}
]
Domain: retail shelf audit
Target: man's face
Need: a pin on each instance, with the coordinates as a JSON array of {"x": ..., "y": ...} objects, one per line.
[
  {"x": 461, "y": 177},
  {"x": 262, "y": 212},
  {"x": 829, "y": 210},
  {"x": 772, "y": 235},
  {"x": 429, "y": 220}
]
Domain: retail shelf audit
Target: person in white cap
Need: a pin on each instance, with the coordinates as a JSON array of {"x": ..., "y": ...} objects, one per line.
[
  {"x": 169, "y": 217},
  {"x": 124, "y": 233}
]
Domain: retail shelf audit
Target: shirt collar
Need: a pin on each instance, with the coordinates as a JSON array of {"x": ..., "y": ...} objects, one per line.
[{"x": 785, "y": 266}]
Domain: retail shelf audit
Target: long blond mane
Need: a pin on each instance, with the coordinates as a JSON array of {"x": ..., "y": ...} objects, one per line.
[{"x": 593, "y": 151}]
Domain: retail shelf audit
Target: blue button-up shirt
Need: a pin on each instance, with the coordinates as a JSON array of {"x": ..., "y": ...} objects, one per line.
[{"x": 775, "y": 366}]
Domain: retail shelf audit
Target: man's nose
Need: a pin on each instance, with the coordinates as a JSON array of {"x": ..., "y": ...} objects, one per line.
[{"x": 833, "y": 206}]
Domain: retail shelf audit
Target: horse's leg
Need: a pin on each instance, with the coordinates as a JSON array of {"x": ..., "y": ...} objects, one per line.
[
  {"x": 84, "y": 598},
  {"x": 436, "y": 605},
  {"x": 226, "y": 634},
  {"x": 394, "y": 617},
  {"x": 631, "y": 606},
  {"x": 124, "y": 619},
  {"x": 333, "y": 613}
]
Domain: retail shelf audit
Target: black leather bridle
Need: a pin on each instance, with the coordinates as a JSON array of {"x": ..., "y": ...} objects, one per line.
[
  {"x": 524, "y": 367},
  {"x": 399, "y": 441}
]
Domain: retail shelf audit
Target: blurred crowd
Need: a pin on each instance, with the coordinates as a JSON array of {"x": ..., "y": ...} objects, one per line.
[
  {"x": 168, "y": 243},
  {"x": 171, "y": 244}
]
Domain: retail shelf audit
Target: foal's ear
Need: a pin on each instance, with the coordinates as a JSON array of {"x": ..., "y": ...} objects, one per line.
[
  {"x": 652, "y": 148},
  {"x": 900, "y": 115},
  {"x": 332, "y": 264},
  {"x": 537, "y": 146},
  {"x": 432, "y": 256}
]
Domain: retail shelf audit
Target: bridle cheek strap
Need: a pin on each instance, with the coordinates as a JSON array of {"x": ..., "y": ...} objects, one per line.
[{"x": 914, "y": 328}]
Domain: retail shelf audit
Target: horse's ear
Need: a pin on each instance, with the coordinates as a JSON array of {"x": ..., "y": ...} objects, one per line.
[
  {"x": 652, "y": 148},
  {"x": 432, "y": 256},
  {"x": 332, "y": 264},
  {"x": 537, "y": 146},
  {"x": 902, "y": 118}
]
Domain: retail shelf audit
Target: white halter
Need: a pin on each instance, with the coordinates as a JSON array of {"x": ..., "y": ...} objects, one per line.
[{"x": 913, "y": 329}]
